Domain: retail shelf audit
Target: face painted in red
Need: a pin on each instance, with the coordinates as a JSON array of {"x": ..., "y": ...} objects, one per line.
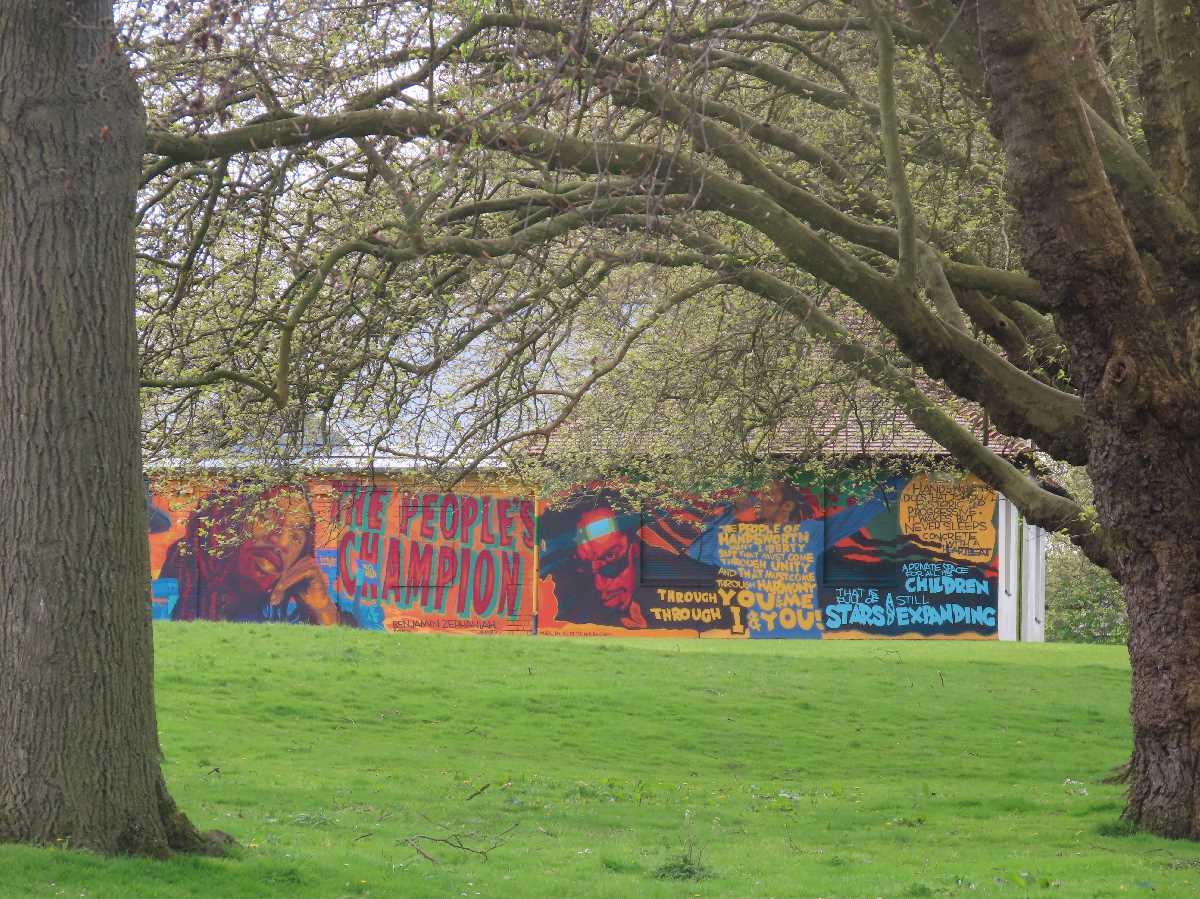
[
  {"x": 610, "y": 555},
  {"x": 275, "y": 540}
]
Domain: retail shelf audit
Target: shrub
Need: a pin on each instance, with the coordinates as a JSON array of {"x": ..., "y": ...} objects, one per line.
[{"x": 1083, "y": 602}]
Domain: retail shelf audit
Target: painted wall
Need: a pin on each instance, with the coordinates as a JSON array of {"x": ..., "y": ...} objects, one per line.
[
  {"x": 344, "y": 552},
  {"x": 909, "y": 557}
]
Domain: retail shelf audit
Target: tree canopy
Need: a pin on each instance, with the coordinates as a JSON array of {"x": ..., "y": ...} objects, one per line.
[
  {"x": 448, "y": 229},
  {"x": 446, "y": 224},
  {"x": 443, "y": 229},
  {"x": 451, "y": 227}
]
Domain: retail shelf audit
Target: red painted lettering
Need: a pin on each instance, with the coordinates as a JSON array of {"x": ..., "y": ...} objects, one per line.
[
  {"x": 346, "y": 569},
  {"x": 449, "y": 517},
  {"x": 504, "y": 517},
  {"x": 470, "y": 515},
  {"x": 487, "y": 536},
  {"x": 428, "y": 510},
  {"x": 391, "y": 578},
  {"x": 483, "y": 586},
  {"x": 368, "y": 558},
  {"x": 447, "y": 568},
  {"x": 510, "y": 584},
  {"x": 409, "y": 508},
  {"x": 420, "y": 571},
  {"x": 527, "y": 532},
  {"x": 464, "y": 580},
  {"x": 375, "y": 509}
]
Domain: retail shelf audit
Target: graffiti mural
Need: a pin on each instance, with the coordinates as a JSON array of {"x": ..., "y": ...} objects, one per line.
[
  {"x": 434, "y": 561},
  {"x": 344, "y": 552},
  {"x": 907, "y": 556},
  {"x": 927, "y": 567},
  {"x": 607, "y": 567},
  {"x": 247, "y": 558}
]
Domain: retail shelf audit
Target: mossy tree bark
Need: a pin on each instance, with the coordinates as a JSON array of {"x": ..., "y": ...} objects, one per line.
[{"x": 1131, "y": 332}]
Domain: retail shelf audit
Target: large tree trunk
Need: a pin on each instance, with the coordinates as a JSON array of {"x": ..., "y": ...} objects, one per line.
[
  {"x": 79, "y": 756},
  {"x": 1163, "y": 598},
  {"x": 1145, "y": 474},
  {"x": 1136, "y": 362}
]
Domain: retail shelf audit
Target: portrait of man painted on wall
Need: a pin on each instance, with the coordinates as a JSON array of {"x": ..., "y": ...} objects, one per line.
[
  {"x": 611, "y": 558},
  {"x": 780, "y": 503},
  {"x": 247, "y": 555},
  {"x": 595, "y": 553}
]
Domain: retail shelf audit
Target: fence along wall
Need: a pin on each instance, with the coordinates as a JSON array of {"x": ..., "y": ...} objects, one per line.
[{"x": 914, "y": 556}]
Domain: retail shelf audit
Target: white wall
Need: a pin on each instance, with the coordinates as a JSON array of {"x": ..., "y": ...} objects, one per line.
[
  {"x": 1009, "y": 582},
  {"x": 1021, "y": 603},
  {"x": 1033, "y": 584}
]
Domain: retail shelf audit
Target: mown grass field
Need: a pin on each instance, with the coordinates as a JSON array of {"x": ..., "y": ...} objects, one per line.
[{"x": 341, "y": 759}]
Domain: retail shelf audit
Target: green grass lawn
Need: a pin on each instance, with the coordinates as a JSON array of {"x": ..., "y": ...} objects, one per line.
[{"x": 349, "y": 764}]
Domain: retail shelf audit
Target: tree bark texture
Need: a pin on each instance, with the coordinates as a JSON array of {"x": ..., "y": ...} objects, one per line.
[
  {"x": 1135, "y": 364},
  {"x": 79, "y": 756}
]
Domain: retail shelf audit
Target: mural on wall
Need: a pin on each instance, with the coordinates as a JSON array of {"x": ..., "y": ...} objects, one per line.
[
  {"x": 929, "y": 567},
  {"x": 606, "y": 566},
  {"x": 433, "y": 561},
  {"x": 909, "y": 556},
  {"x": 344, "y": 552},
  {"x": 773, "y": 543},
  {"x": 248, "y": 558}
]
